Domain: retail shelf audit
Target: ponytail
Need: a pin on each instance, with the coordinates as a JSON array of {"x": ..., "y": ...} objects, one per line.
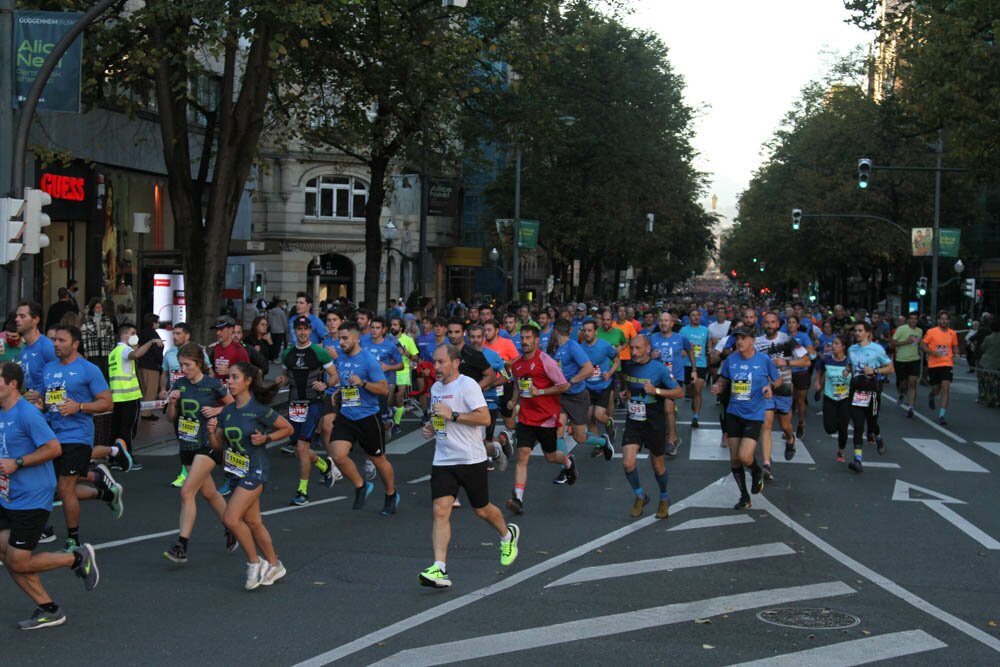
[{"x": 264, "y": 393}]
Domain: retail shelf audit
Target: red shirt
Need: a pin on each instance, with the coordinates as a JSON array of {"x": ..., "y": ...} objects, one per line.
[
  {"x": 223, "y": 358},
  {"x": 541, "y": 371}
]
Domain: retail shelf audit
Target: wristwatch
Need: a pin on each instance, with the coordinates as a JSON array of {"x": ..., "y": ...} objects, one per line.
[
  {"x": 19, "y": 462},
  {"x": 454, "y": 416}
]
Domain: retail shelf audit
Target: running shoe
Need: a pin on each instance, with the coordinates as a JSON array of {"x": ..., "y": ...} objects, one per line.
[
  {"x": 800, "y": 430},
  {"x": 508, "y": 550},
  {"x": 942, "y": 421},
  {"x": 490, "y": 467},
  {"x": 880, "y": 445},
  {"x": 571, "y": 471},
  {"x": 396, "y": 429},
  {"x": 254, "y": 573},
  {"x": 272, "y": 573},
  {"x": 42, "y": 619},
  {"x": 299, "y": 499},
  {"x": 768, "y": 475},
  {"x": 361, "y": 494},
  {"x": 610, "y": 428},
  {"x": 909, "y": 413},
  {"x": 124, "y": 458},
  {"x": 412, "y": 405},
  {"x": 856, "y": 466},
  {"x": 501, "y": 458},
  {"x": 638, "y": 504},
  {"x": 515, "y": 504},
  {"x": 789, "y": 450},
  {"x": 391, "y": 503},
  {"x": 176, "y": 554},
  {"x": 743, "y": 504},
  {"x": 116, "y": 503},
  {"x": 671, "y": 449},
  {"x": 434, "y": 577},
  {"x": 227, "y": 487},
  {"x": 70, "y": 546},
  {"x": 370, "y": 471},
  {"x": 663, "y": 509},
  {"x": 231, "y": 543},
  {"x": 328, "y": 477},
  {"x": 48, "y": 535},
  {"x": 840, "y": 457},
  {"x": 756, "y": 480},
  {"x": 87, "y": 569},
  {"x": 505, "y": 444},
  {"x": 608, "y": 449},
  {"x": 179, "y": 480},
  {"x": 694, "y": 422},
  {"x": 561, "y": 477},
  {"x": 288, "y": 449}
]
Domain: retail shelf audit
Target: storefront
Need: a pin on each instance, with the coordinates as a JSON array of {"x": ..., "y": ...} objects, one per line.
[{"x": 331, "y": 277}]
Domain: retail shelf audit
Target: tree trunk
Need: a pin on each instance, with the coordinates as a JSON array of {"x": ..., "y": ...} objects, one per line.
[{"x": 373, "y": 231}]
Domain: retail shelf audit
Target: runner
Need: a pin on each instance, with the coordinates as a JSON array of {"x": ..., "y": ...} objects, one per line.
[
  {"x": 459, "y": 414},
  {"x": 717, "y": 331},
  {"x": 694, "y": 376},
  {"x": 751, "y": 378},
  {"x": 27, "y": 481},
  {"x": 304, "y": 308},
  {"x": 670, "y": 348},
  {"x": 497, "y": 453},
  {"x": 941, "y": 346},
  {"x": 868, "y": 362},
  {"x": 539, "y": 384},
  {"x": 833, "y": 379},
  {"x": 242, "y": 430},
  {"x": 386, "y": 351},
  {"x": 786, "y": 354},
  {"x": 308, "y": 372},
  {"x": 194, "y": 399},
  {"x": 605, "y": 360},
  {"x": 647, "y": 384},
  {"x": 800, "y": 374},
  {"x": 223, "y": 354},
  {"x": 171, "y": 372},
  {"x": 361, "y": 383},
  {"x": 404, "y": 382},
  {"x": 906, "y": 342},
  {"x": 508, "y": 352},
  {"x": 75, "y": 389}
]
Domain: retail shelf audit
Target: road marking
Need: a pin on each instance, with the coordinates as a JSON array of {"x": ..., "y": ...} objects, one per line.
[
  {"x": 156, "y": 536},
  {"x": 714, "y": 521},
  {"x": 937, "y": 503},
  {"x": 931, "y": 423},
  {"x": 944, "y": 456},
  {"x": 880, "y": 464},
  {"x": 681, "y": 562},
  {"x": 418, "y": 480},
  {"x": 992, "y": 447},
  {"x": 604, "y": 626},
  {"x": 406, "y": 444},
  {"x": 705, "y": 447},
  {"x": 416, "y": 620},
  {"x": 855, "y": 652}
]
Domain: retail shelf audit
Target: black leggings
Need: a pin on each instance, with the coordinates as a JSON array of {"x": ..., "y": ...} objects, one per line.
[
  {"x": 836, "y": 417},
  {"x": 860, "y": 416}
]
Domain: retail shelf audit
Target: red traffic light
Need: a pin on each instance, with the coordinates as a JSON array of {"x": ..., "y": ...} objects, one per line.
[{"x": 733, "y": 273}]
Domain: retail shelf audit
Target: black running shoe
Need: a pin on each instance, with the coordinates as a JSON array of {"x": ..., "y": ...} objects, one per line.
[
  {"x": 391, "y": 503},
  {"x": 694, "y": 422},
  {"x": 743, "y": 504},
  {"x": 561, "y": 478},
  {"x": 800, "y": 430},
  {"x": 756, "y": 480},
  {"x": 610, "y": 428},
  {"x": 856, "y": 466},
  {"x": 515, "y": 504},
  {"x": 571, "y": 471},
  {"x": 789, "y": 450},
  {"x": 177, "y": 553},
  {"x": 768, "y": 475},
  {"x": 880, "y": 445},
  {"x": 361, "y": 494},
  {"x": 231, "y": 543}
]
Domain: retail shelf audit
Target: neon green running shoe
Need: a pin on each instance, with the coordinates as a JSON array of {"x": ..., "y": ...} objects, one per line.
[
  {"x": 508, "y": 550},
  {"x": 434, "y": 577},
  {"x": 179, "y": 481}
]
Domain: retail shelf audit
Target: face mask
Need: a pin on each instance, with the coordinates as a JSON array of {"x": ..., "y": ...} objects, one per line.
[{"x": 133, "y": 340}]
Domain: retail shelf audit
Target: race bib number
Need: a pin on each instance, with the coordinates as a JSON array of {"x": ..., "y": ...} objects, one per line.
[
  {"x": 786, "y": 374},
  {"x": 4, "y": 487},
  {"x": 439, "y": 424},
  {"x": 596, "y": 375},
  {"x": 697, "y": 350},
  {"x": 862, "y": 399},
  {"x": 236, "y": 464},
  {"x": 188, "y": 428},
  {"x": 524, "y": 387},
  {"x": 840, "y": 391},
  {"x": 297, "y": 411},
  {"x": 350, "y": 397},
  {"x": 741, "y": 390},
  {"x": 942, "y": 350},
  {"x": 637, "y": 411},
  {"x": 499, "y": 389},
  {"x": 222, "y": 366},
  {"x": 55, "y": 396}
]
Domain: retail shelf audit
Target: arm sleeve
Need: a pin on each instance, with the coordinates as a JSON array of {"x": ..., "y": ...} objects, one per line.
[{"x": 322, "y": 355}]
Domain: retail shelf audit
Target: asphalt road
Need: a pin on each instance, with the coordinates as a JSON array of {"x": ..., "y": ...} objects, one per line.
[{"x": 910, "y": 580}]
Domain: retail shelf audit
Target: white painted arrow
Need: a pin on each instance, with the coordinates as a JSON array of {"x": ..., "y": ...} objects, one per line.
[{"x": 937, "y": 503}]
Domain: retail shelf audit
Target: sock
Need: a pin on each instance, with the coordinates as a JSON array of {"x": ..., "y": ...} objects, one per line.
[
  {"x": 633, "y": 478},
  {"x": 568, "y": 464},
  {"x": 561, "y": 445},
  {"x": 767, "y": 463},
  {"x": 507, "y": 538},
  {"x": 398, "y": 417},
  {"x": 741, "y": 481},
  {"x": 857, "y": 453},
  {"x": 115, "y": 450},
  {"x": 74, "y": 534},
  {"x": 441, "y": 566},
  {"x": 519, "y": 491},
  {"x": 104, "y": 493},
  {"x": 322, "y": 464},
  {"x": 183, "y": 541},
  {"x": 661, "y": 481},
  {"x": 941, "y": 412},
  {"x": 594, "y": 439},
  {"x": 754, "y": 466},
  {"x": 77, "y": 559},
  {"x": 49, "y": 607},
  {"x": 304, "y": 486},
  {"x": 694, "y": 416}
]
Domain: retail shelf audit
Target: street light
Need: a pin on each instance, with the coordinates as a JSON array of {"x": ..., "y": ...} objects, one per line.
[{"x": 959, "y": 267}]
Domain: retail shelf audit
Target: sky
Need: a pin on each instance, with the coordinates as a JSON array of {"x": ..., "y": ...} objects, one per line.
[{"x": 745, "y": 62}]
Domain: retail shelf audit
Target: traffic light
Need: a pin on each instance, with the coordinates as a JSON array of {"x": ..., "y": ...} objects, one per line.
[
  {"x": 13, "y": 226},
  {"x": 35, "y": 219},
  {"x": 864, "y": 172},
  {"x": 922, "y": 286},
  {"x": 796, "y": 219},
  {"x": 754, "y": 260},
  {"x": 969, "y": 288},
  {"x": 258, "y": 283},
  {"x": 762, "y": 266},
  {"x": 979, "y": 295}
]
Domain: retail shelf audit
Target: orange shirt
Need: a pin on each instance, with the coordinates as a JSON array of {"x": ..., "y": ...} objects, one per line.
[
  {"x": 630, "y": 332},
  {"x": 504, "y": 347},
  {"x": 938, "y": 341}
]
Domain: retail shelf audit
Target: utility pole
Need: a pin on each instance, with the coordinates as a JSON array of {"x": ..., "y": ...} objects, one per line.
[
  {"x": 6, "y": 95},
  {"x": 516, "y": 268},
  {"x": 936, "y": 241}
]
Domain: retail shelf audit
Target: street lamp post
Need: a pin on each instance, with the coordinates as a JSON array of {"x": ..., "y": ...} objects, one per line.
[{"x": 390, "y": 234}]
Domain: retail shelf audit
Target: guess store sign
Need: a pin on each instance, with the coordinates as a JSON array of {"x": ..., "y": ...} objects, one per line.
[{"x": 71, "y": 188}]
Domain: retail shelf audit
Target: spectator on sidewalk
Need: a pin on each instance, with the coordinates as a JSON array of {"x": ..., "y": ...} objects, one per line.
[
  {"x": 98, "y": 332},
  {"x": 64, "y": 305},
  {"x": 259, "y": 343},
  {"x": 150, "y": 363},
  {"x": 277, "y": 322},
  {"x": 12, "y": 343},
  {"x": 989, "y": 366}
]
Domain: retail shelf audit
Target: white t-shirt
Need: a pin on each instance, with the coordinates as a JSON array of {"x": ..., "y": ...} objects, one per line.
[
  {"x": 718, "y": 330},
  {"x": 454, "y": 443}
]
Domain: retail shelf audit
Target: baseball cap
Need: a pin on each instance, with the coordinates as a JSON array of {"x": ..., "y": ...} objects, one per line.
[
  {"x": 581, "y": 307},
  {"x": 302, "y": 321},
  {"x": 744, "y": 331},
  {"x": 224, "y": 322}
]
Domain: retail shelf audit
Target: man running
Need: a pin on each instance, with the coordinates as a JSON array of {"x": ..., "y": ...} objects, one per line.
[
  {"x": 497, "y": 453},
  {"x": 303, "y": 308},
  {"x": 906, "y": 342},
  {"x": 786, "y": 352},
  {"x": 670, "y": 348},
  {"x": 605, "y": 361},
  {"x": 408, "y": 349},
  {"x": 459, "y": 411},
  {"x": 695, "y": 374},
  {"x": 941, "y": 346}
]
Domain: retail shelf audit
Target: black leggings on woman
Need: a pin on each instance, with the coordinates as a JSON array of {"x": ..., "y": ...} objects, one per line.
[
  {"x": 865, "y": 415},
  {"x": 836, "y": 418}
]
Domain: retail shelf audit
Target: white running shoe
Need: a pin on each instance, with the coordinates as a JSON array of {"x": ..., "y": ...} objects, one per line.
[
  {"x": 255, "y": 572},
  {"x": 272, "y": 573}
]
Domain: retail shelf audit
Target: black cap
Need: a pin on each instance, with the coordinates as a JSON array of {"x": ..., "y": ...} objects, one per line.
[
  {"x": 302, "y": 321},
  {"x": 745, "y": 331},
  {"x": 224, "y": 322}
]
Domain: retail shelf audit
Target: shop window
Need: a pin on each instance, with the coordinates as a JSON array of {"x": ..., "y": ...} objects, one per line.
[{"x": 336, "y": 198}]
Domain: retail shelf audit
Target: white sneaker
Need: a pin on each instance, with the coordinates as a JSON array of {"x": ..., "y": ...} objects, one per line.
[
  {"x": 500, "y": 458},
  {"x": 337, "y": 475},
  {"x": 370, "y": 471},
  {"x": 255, "y": 571},
  {"x": 272, "y": 573}
]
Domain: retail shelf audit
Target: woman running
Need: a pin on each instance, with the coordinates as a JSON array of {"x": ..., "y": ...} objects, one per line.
[
  {"x": 800, "y": 374},
  {"x": 243, "y": 429},
  {"x": 869, "y": 362},
  {"x": 833, "y": 379},
  {"x": 194, "y": 400}
]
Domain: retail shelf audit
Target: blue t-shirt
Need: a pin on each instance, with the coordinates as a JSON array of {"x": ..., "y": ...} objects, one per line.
[
  {"x": 23, "y": 430},
  {"x": 836, "y": 378},
  {"x": 387, "y": 352},
  {"x": 317, "y": 333},
  {"x": 239, "y": 424},
  {"x": 805, "y": 341},
  {"x": 571, "y": 358},
  {"x": 80, "y": 381},
  {"x": 698, "y": 337},
  {"x": 498, "y": 365},
  {"x": 515, "y": 338},
  {"x": 747, "y": 379},
  {"x": 426, "y": 344},
  {"x": 642, "y": 406},
  {"x": 671, "y": 351},
  {"x": 192, "y": 428},
  {"x": 825, "y": 343},
  {"x": 33, "y": 360},
  {"x": 357, "y": 402},
  {"x": 872, "y": 355},
  {"x": 602, "y": 354},
  {"x": 543, "y": 339}
]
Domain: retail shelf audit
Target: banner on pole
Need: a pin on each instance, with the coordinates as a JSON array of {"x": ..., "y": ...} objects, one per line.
[{"x": 35, "y": 36}]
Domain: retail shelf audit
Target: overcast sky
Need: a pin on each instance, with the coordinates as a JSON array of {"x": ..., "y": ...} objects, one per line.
[{"x": 745, "y": 61}]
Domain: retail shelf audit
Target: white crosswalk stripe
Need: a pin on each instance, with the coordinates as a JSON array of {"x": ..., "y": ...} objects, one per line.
[
  {"x": 705, "y": 447},
  {"x": 856, "y": 652},
  {"x": 944, "y": 456}
]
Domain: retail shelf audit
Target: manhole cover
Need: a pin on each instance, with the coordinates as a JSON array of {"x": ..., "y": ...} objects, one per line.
[{"x": 812, "y": 618}]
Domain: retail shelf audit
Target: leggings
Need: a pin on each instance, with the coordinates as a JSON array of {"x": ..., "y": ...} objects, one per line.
[
  {"x": 836, "y": 417},
  {"x": 860, "y": 416}
]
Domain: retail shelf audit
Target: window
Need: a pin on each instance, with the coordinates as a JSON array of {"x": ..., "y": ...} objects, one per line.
[{"x": 336, "y": 197}]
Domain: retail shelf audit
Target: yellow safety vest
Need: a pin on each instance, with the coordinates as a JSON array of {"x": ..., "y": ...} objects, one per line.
[{"x": 124, "y": 387}]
